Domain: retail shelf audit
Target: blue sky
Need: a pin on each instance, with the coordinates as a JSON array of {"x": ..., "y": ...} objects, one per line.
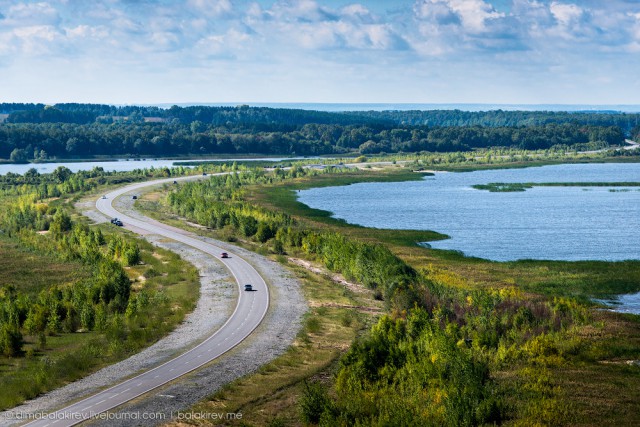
[{"x": 406, "y": 51}]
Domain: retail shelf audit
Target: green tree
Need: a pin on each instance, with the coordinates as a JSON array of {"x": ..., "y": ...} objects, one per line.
[
  {"x": 61, "y": 223},
  {"x": 62, "y": 173},
  {"x": 19, "y": 155},
  {"x": 10, "y": 340}
]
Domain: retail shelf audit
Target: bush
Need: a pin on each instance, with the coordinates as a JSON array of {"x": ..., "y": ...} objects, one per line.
[
  {"x": 10, "y": 340},
  {"x": 314, "y": 402}
]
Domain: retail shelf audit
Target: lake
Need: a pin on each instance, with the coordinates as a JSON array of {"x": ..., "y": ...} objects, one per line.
[
  {"x": 121, "y": 165},
  {"x": 557, "y": 223}
]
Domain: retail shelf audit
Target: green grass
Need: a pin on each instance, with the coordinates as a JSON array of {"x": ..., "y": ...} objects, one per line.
[
  {"x": 68, "y": 356},
  {"x": 284, "y": 197},
  {"x": 583, "y": 280},
  {"x": 30, "y": 272},
  {"x": 533, "y": 161},
  {"x": 496, "y": 187}
]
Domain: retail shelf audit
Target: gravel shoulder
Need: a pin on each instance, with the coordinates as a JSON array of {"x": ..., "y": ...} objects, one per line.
[{"x": 218, "y": 293}]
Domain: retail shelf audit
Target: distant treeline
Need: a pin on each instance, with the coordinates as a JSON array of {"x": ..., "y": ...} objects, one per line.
[
  {"x": 35, "y": 131},
  {"x": 283, "y": 118},
  {"x": 245, "y": 115},
  {"x": 501, "y": 118}
]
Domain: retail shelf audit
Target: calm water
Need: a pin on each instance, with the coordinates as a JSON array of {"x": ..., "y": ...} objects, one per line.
[
  {"x": 560, "y": 223},
  {"x": 119, "y": 165}
]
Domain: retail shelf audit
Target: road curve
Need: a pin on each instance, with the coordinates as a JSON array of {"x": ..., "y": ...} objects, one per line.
[{"x": 249, "y": 312}]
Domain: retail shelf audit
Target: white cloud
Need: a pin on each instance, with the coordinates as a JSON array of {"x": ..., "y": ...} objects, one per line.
[
  {"x": 472, "y": 15},
  {"x": 36, "y": 39},
  {"x": 308, "y": 25},
  {"x": 302, "y": 37},
  {"x": 212, "y": 8},
  {"x": 22, "y": 14},
  {"x": 566, "y": 14}
]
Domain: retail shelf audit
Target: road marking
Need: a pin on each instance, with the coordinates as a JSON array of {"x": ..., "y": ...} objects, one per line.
[{"x": 88, "y": 407}]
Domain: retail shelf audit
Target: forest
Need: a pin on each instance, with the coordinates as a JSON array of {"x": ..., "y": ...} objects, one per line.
[{"x": 35, "y": 132}]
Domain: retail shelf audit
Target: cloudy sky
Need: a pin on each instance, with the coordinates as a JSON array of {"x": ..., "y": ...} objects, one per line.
[{"x": 402, "y": 51}]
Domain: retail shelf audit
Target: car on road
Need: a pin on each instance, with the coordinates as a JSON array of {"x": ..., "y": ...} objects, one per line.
[
  {"x": 117, "y": 222},
  {"x": 135, "y": 197},
  {"x": 104, "y": 197},
  {"x": 113, "y": 220},
  {"x": 224, "y": 255},
  {"x": 204, "y": 174},
  {"x": 248, "y": 288}
]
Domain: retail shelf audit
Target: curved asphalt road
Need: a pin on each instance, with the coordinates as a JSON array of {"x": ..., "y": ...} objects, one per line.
[{"x": 250, "y": 310}]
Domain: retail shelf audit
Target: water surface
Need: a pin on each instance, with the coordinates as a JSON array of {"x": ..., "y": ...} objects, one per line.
[
  {"x": 121, "y": 165},
  {"x": 556, "y": 223}
]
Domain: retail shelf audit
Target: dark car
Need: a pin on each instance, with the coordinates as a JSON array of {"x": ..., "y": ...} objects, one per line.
[
  {"x": 135, "y": 197},
  {"x": 224, "y": 255},
  {"x": 204, "y": 174},
  {"x": 248, "y": 288},
  {"x": 118, "y": 223},
  {"x": 113, "y": 220}
]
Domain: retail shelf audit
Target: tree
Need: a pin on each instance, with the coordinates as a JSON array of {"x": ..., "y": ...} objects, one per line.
[
  {"x": 264, "y": 232},
  {"x": 32, "y": 173},
  {"x": 71, "y": 145},
  {"x": 19, "y": 155},
  {"x": 10, "y": 340},
  {"x": 61, "y": 223},
  {"x": 62, "y": 173}
]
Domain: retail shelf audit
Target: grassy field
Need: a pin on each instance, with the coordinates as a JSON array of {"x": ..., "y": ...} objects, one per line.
[
  {"x": 56, "y": 359},
  {"x": 17, "y": 268}
]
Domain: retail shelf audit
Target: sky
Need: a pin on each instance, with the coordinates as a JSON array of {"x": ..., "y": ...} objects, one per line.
[{"x": 333, "y": 51}]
